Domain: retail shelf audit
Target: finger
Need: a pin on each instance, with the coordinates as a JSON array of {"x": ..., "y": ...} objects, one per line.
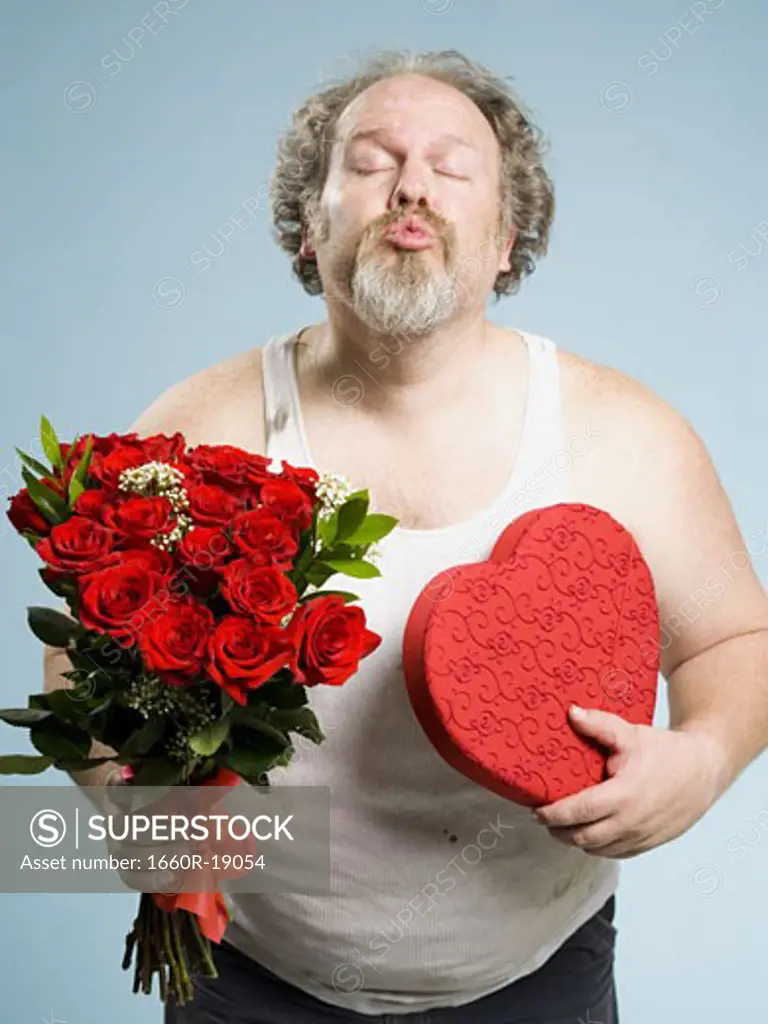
[
  {"x": 617, "y": 851},
  {"x": 585, "y": 807},
  {"x": 590, "y": 838},
  {"x": 609, "y": 730}
]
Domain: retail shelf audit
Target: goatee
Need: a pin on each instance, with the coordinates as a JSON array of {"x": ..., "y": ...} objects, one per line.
[{"x": 407, "y": 292}]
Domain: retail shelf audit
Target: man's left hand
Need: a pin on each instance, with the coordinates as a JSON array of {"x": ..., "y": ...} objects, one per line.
[{"x": 661, "y": 781}]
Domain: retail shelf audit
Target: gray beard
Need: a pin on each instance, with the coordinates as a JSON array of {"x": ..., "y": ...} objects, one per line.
[{"x": 403, "y": 298}]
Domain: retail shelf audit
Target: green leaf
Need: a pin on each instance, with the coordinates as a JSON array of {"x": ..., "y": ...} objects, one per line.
[
  {"x": 39, "y": 700},
  {"x": 300, "y": 720},
  {"x": 51, "y": 504},
  {"x": 60, "y": 739},
  {"x": 364, "y": 494},
  {"x": 158, "y": 772},
  {"x": 50, "y": 443},
  {"x": 254, "y": 718},
  {"x": 52, "y": 627},
  {"x": 69, "y": 705},
  {"x": 24, "y": 764},
  {"x": 250, "y": 764},
  {"x": 61, "y": 588},
  {"x": 74, "y": 490},
  {"x": 318, "y": 574},
  {"x": 357, "y": 567},
  {"x": 98, "y": 715},
  {"x": 208, "y": 739},
  {"x": 78, "y": 477},
  {"x": 23, "y": 716},
  {"x": 351, "y": 515},
  {"x": 33, "y": 464},
  {"x": 326, "y": 529},
  {"x": 324, "y": 593},
  {"x": 144, "y": 738},
  {"x": 283, "y": 695},
  {"x": 373, "y": 528}
]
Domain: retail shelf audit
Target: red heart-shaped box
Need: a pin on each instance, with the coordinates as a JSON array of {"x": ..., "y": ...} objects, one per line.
[{"x": 494, "y": 653}]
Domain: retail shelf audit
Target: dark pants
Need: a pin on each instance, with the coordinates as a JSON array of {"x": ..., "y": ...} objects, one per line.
[{"x": 575, "y": 986}]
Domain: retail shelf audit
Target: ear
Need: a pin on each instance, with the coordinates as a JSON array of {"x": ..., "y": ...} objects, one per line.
[
  {"x": 504, "y": 261},
  {"x": 306, "y": 249}
]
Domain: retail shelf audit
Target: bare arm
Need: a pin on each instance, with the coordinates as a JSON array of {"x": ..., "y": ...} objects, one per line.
[{"x": 713, "y": 608}]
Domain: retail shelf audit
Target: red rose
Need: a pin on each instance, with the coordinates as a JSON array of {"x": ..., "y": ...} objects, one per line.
[
  {"x": 150, "y": 556},
  {"x": 141, "y": 518},
  {"x": 77, "y": 546},
  {"x": 107, "y": 468},
  {"x": 91, "y": 503},
  {"x": 286, "y": 500},
  {"x": 229, "y": 467},
  {"x": 119, "y": 599},
  {"x": 264, "y": 538},
  {"x": 101, "y": 444},
  {"x": 24, "y": 515},
  {"x": 304, "y": 476},
  {"x": 203, "y": 552},
  {"x": 329, "y": 639},
  {"x": 262, "y": 591},
  {"x": 164, "y": 448},
  {"x": 210, "y": 505},
  {"x": 175, "y": 642},
  {"x": 205, "y": 548},
  {"x": 111, "y": 451},
  {"x": 243, "y": 654}
]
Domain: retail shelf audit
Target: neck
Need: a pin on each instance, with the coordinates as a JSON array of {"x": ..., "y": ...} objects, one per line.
[{"x": 391, "y": 374}]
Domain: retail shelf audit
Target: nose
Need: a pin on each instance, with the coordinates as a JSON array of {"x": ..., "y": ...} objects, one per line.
[{"x": 411, "y": 190}]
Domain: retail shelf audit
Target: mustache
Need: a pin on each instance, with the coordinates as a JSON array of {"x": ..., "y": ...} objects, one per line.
[
  {"x": 443, "y": 229},
  {"x": 433, "y": 220}
]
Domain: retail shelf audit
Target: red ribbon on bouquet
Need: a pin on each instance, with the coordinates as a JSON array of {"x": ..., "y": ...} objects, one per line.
[{"x": 209, "y": 907}]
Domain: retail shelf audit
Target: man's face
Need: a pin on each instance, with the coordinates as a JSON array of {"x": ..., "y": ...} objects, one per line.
[{"x": 411, "y": 153}]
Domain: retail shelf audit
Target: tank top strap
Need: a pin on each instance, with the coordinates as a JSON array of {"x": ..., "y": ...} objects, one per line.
[
  {"x": 283, "y": 438},
  {"x": 546, "y": 399},
  {"x": 543, "y": 442}
]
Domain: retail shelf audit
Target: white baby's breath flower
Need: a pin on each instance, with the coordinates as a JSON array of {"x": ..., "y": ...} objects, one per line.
[
  {"x": 152, "y": 478},
  {"x": 373, "y": 554},
  {"x": 332, "y": 491}
]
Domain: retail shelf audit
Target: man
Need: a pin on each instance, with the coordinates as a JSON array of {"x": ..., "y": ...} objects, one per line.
[{"x": 406, "y": 196}]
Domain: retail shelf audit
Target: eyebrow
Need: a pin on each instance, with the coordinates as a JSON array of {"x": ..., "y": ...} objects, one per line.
[{"x": 378, "y": 133}]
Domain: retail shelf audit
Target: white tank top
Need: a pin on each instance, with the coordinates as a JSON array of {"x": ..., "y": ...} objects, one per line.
[{"x": 441, "y": 891}]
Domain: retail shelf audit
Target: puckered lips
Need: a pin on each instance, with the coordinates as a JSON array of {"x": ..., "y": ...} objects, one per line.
[{"x": 410, "y": 233}]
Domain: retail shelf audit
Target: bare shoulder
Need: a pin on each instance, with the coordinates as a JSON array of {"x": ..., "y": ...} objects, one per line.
[
  {"x": 220, "y": 404},
  {"x": 645, "y": 463},
  {"x": 635, "y": 435}
]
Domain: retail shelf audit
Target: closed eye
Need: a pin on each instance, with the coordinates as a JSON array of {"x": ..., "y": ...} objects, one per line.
[
  {"x": 448, "y": 173},
  {"x": 370, "y": 170}
]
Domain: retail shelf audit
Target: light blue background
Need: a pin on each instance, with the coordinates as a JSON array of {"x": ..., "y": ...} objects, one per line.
[{"x": 657, "y": 266}]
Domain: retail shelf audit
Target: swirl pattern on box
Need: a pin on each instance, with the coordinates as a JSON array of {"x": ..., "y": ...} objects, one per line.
[{"x": 494, "y": 653}]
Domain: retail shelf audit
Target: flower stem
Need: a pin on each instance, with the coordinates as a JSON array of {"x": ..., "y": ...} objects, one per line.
[
  {"x": 186, "y": 985},
  {"x": 175, "y": 975},
  {"x": 204, "y": 945}
]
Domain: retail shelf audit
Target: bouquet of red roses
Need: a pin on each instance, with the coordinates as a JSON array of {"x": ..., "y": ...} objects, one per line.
[{"x": 194, "y": 580}]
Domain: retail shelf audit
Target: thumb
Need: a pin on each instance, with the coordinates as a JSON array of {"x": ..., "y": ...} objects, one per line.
[{"x": 610, "y": 730}]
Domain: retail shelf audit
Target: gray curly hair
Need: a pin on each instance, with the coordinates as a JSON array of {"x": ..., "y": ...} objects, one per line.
[{"x": 527, "y": 194}]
